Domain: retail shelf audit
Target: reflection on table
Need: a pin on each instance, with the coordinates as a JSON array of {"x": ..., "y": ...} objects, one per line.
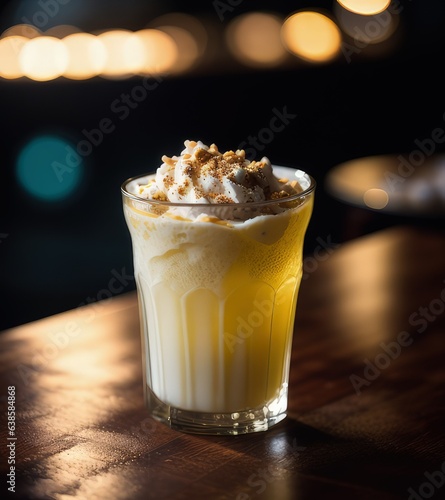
[{"x": 366, "y": 407}]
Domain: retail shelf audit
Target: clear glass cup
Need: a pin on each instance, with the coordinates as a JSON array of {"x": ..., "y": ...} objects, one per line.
[{"x": 217, "y": 288}]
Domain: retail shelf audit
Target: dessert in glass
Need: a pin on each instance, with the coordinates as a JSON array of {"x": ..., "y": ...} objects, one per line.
[{"x": 217, "y": 245}]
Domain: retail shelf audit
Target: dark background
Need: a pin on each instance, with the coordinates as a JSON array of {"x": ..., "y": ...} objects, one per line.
[{"x": 57, "y": 255}]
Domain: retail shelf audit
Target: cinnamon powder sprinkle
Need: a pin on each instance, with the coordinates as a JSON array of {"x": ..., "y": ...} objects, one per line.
[
  {"x": 222, "y": 198},
  {"x": 278, "y": 194},
  {"x": 199, "y": 193},
  {"x": 216, "y": 164},
  {"x": 182, "y": 189},
  {"x": 230, "y": 165}
]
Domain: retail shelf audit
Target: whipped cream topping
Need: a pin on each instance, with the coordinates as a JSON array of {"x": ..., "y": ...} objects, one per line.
[{"x": 201, "y": 174}]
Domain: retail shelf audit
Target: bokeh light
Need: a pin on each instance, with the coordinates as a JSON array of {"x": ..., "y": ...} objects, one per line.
[
  {"x": 190, "y": 37},
  {"x": 187, "y": 22},
  {"x": 160, "y": 49},
  {"x": 370, "y": 29},
  {"x": 365, "y": 7},
  {"x": 376, "y": 198},
  {"x": 49, "y": 168},
  {"x": 188, "y": 50},
  {"x": 254, "y": 39},
  {"x": 62, "y": 30},
  {"x": 86, "y": 56},
  {"x": 10, "y": 48},
  {"x": 311, "y": 36},
  {"x": 43, "y": 58},
  {"x": 26, "y": 30},
  {"x": 125, "y": 53}
]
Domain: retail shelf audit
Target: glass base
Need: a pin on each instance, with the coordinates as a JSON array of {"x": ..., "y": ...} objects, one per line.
[{"x": 243, "y": 422}]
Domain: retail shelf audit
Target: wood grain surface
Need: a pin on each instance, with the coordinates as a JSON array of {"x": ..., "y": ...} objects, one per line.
[{"x": 367, "y": 394}]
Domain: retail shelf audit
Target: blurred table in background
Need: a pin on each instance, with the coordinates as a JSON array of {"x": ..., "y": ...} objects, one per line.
[
  {"x": 367, "y": 394},
  {"x": 411, "y": 185},
  {"x": 375, "y": 192}
]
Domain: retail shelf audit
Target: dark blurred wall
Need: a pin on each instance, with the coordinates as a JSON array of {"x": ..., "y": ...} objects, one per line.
[{"x": 57, "y": 255}]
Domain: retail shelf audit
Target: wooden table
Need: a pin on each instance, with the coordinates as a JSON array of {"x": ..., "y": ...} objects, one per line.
[{"x": 367, "y": 395}]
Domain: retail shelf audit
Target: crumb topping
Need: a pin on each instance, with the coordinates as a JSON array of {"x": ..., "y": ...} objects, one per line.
[{"x": 203, "y": 174}]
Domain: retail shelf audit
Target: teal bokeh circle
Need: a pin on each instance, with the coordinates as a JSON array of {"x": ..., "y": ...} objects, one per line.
[{"x": 49, "y": 168}]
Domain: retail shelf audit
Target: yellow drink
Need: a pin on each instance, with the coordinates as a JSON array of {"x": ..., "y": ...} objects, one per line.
[{"x": 217, "y": 303}]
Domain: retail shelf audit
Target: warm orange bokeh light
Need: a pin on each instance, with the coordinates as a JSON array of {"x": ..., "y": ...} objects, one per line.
[
  {"x": 172, "y": 44},
  {"x": 161, "y": 51},
  {"x": 188, "y": 49},
  {"x": 187, "y": 22},
  {"x": 376, "y": 198},
  {"x": 189, "y": 34},
  {"x": 87, "y": 56},
  {"x": 365, "y": 7},
  {"x": 62, "y": 30},
  {"x": 10, "y": 48},
  {"x": 254, "y": 39},
  {"x": 125, "y": 53},
  {"x": 311, "y": 36},
  {"x": 26, "y": 30},
  {"x": 43, "y": 58},
  {"x": 370, "y": 29}
]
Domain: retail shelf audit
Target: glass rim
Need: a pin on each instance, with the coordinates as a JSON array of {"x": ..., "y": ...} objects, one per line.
[{"x": 286, "y": 199}]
